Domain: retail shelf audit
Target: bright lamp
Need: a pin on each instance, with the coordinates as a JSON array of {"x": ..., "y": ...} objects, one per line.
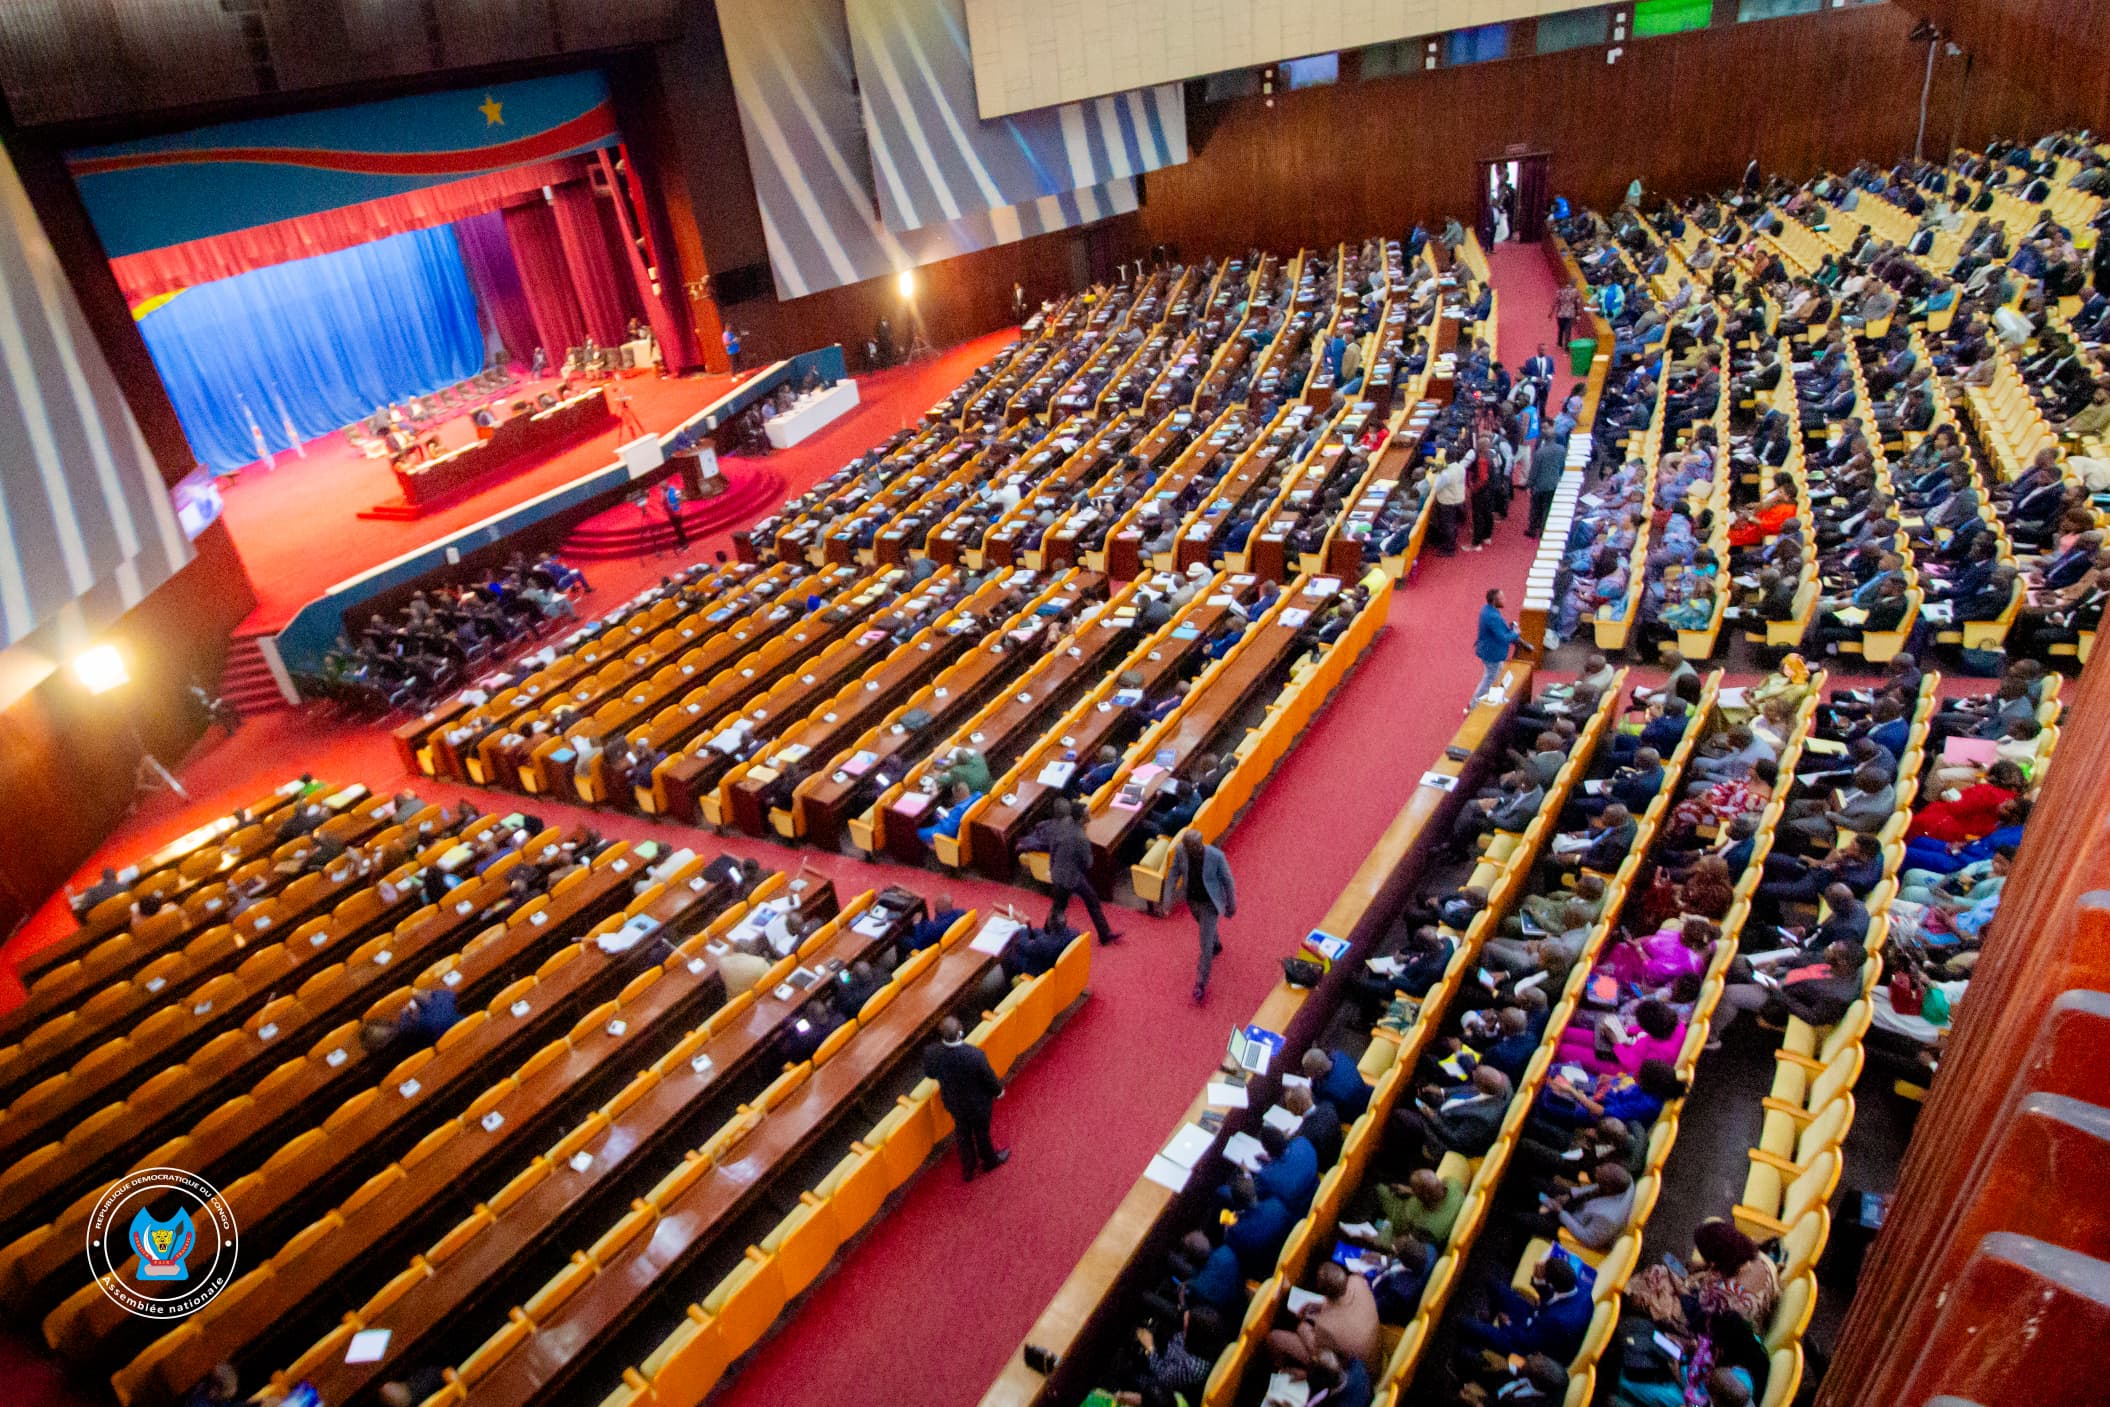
[
  {"x": 101, "y": 669},
  {"x": 905, "y": 281}
]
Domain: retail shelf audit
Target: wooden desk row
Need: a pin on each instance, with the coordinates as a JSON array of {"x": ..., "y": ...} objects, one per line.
[
  {"x": 759, "y": 795},
  {"x": 994, "y": 825},
  {"x": 578, "y": 983},
  {"x": 273, "y": 882},
  {"x": 442, "y": 742},
  {"x": 1003, "y": 728},
  {"x": 1260, "y": 749},
  {"x": 1079, "y": 1323},
  {"x": 1202, "y": 536},
  {"x": 320, "y": 1165},
  {"x": 721, "y": 1326},
  {"x": 1220, "y": 696},
  {"x": 692, "y": 782},
  {"x": 617, "y": 1054},
  {"x": 543, "y": 1344},
  {"x": 98, "y": 1003},
  {"x": 184, "y": 865},
  {"x": 323, "y": 1010},
  {"x": 848, "y": 770}
]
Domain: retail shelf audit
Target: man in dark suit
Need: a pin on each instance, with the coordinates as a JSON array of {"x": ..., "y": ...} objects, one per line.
[
  {"x": 1069, "y": 865},
  {"x": 1463, "y": 1119},
  {"x": 969, "y": 1088}
]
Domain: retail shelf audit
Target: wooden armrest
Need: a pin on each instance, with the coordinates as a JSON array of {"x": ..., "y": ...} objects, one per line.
[
  {"x": 1774, "y": 1161},
  {"x": 1781, "y": 1106},
  {"x": 1789, "y": 1057}
]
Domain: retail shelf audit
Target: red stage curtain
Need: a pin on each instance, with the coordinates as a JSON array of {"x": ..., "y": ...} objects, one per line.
[
  {"x": 496, "y": 278},
  {"x": 586, "y": 254},
  {"x": 538, "y": 252},
  {"x": 667, "y": 325},
  {"x": 142, "y": 276}
]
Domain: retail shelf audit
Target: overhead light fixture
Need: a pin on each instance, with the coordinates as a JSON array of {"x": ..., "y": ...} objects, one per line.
[
  {"x": 905, "y": 282},
  {"x": 101, "y": 669}
]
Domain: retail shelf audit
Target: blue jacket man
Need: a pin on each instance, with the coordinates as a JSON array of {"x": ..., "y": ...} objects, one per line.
[
  {"x": 1493, "y": 644},
  {"x": 1291, "y": 1175}
]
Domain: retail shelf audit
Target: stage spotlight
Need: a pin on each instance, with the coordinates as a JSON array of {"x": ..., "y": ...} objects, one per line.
[
  {"x": 101, "y": 669},
  {"x": 905, "y": 281}
]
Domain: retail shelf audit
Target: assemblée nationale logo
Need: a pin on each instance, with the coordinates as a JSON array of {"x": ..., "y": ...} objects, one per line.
[{"x": 162, "y": 1243}]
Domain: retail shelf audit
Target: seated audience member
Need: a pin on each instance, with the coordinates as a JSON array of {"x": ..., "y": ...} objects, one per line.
[
  {"x": 1335, "y": 1079},
  {"x": 1595, "y": 1213},
  {"x": 1553, "y": 1324},
  {"x": 1343, "y": 1319},
  {"x": 1258, "y": 1227},
  {"x": 1462, "y": 1119},
  {"x": 1426, "y": 1202},
  {"x": 1818, "y": 993}
]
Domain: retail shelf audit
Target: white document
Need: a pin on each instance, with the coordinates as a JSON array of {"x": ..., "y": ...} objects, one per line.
[
  {"x": 1166, "y": 1173},
  {"x": 1246, "y": 1151},
  {"x": 367, "y": 1346},
  {"x": 1226, "y": 1096},
  {"x": 1442, "y": 781},
  {"x": 1299, "y": 1298},
  {"x": 1282, "y": 1121},
  {"x": 995, "y": 936}
]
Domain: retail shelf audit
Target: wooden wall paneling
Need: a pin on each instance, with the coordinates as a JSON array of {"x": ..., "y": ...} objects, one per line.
[
  {"x": 2038, "y": 64},
  {"x": 66, "y": 758}
]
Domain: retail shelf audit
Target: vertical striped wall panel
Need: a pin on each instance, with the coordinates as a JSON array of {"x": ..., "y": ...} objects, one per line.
[
  {"x": 794, "y": 76},
  {"x": 85, "y": 519},
  {"x": 937, "y": 159}
]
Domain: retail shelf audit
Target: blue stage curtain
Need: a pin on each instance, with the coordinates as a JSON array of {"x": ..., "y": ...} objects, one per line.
[{"x": 300, "y": 349}]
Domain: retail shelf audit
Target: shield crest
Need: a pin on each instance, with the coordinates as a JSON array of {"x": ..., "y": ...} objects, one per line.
[{"x": 162, "y": 1246}]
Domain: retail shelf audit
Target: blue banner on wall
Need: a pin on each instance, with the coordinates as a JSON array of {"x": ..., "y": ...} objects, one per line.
[{"x": 214, "y": 180}]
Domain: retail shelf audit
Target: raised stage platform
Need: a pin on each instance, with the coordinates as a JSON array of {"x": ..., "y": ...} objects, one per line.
[{"x": 312, "y": 557}]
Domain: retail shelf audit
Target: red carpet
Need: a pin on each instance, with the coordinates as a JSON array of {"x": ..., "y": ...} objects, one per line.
[
  {"x": 927, "y": 1308},
  {"x": 297, "y": 528}
]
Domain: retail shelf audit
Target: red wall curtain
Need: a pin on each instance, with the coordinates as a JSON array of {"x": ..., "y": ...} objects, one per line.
[
  {"x": 586, "y": 254},
  {"x": 676, "y": 348},
  {"x": 538, "y": 253},
  {"x": 197, "y": 261},
  {"x": 496, "y": 278}
]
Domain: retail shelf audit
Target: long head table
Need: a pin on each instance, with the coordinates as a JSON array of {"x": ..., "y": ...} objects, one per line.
[{"x": 531, "y": 435}]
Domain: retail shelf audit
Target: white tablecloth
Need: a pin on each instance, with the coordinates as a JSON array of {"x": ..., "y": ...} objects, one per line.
[{"x": 812, "y": 412}]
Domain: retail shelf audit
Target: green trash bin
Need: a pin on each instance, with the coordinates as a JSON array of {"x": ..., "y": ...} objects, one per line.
[{"x": 1580, "y": 353}]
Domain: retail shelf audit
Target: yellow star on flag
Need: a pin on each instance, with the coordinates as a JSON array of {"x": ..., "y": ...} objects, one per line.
[{"x": 493, "y": 111}]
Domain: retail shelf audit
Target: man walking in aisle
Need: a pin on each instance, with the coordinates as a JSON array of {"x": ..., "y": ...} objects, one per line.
[
  {"x": 1567, "y": 307},
  {"x": 1202, "y": 877},
  {"x": 1538, "y": 370},
  {"x": 1492, "y": 645},
  {"x": 1069, "y": 852},
  {"x": 968, "y": 1087},
  {"x": 1548, "y": 462}
]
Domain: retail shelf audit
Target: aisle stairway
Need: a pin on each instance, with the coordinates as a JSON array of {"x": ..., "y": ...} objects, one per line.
[
  {"x": 628, "y": 531},
  {"x": 246, "y": 680}
]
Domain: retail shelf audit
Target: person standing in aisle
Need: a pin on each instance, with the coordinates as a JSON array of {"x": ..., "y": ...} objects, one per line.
[
  {"x": 968, "y": 1087},
  {"x": 1567, "y": 307},
  {"x": 1201, "y": 876},
  {"x": 1548, "y": 462},
  {"x": 1492, "y": 645}
]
